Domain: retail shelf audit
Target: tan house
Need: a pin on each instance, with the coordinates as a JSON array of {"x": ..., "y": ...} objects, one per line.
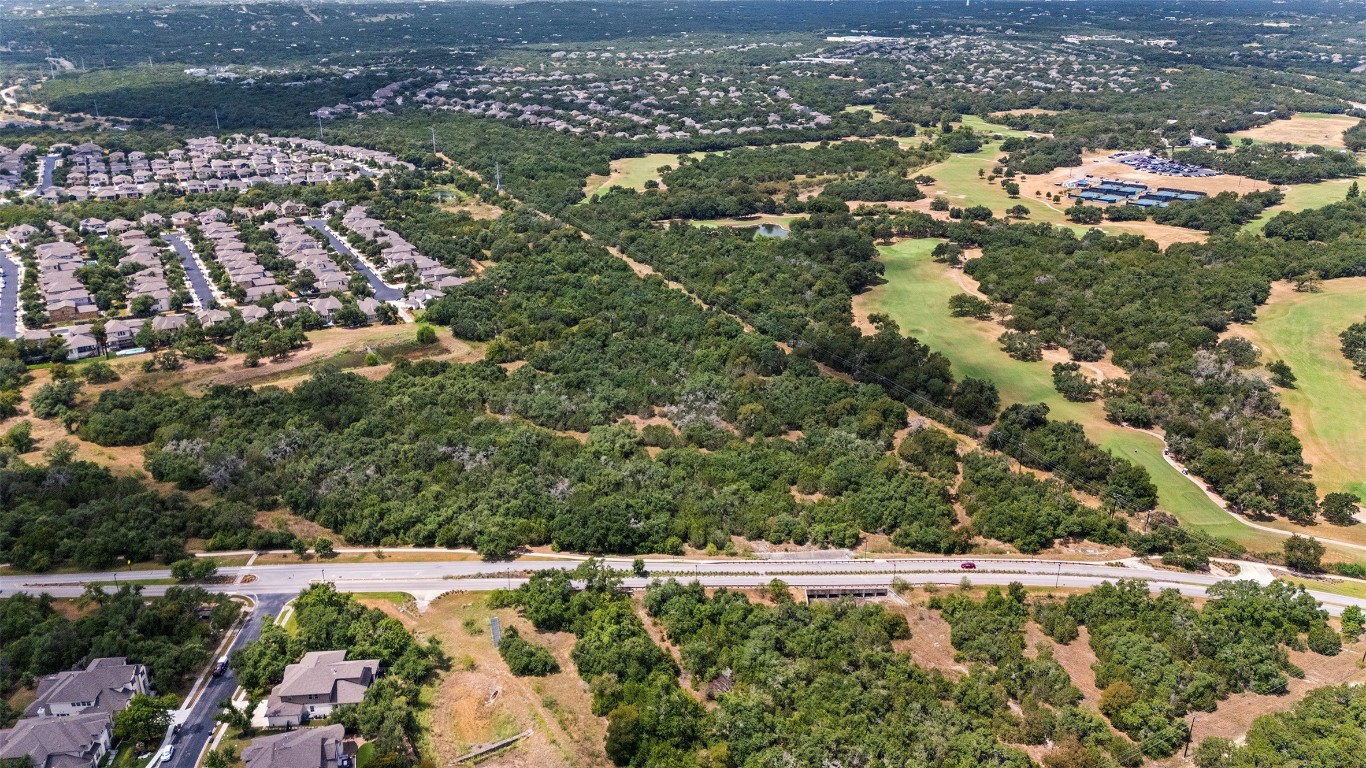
[{"x": 321, "y": 681}]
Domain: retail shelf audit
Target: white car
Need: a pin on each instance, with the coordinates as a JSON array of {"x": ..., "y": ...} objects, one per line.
[{"x": 166, "y": 756}]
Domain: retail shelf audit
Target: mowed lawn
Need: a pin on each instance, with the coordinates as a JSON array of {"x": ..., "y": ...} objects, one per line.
[
  {"x": 1328, "y": 405},
  {"x": 1301, "y": 197},
  {"x": 916, "y": 296}
]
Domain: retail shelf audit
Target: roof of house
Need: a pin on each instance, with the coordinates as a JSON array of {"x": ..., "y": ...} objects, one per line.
[
  {"x": 107, "y": 682},
  {"x": 324, "y": 673},
  {"x": 304, "y": 748},
  {"x": 55, "y": 742}
]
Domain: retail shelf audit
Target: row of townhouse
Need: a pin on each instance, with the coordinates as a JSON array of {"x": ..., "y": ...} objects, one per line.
[
  {"x": 327, "y": 307},
  {"x": 70, "y": 722},
  {"x": 210, "y": 165},
  {"x": 240, "y": 264},
  {"x": 12, "y": 163},
  {"x": 65, "y": 298},
  {"x": 149, "y": 279},
  {"x": 121, "y": 332},
  {"x": 398, "y": 252},
  {"x": 300, "y": 247}
]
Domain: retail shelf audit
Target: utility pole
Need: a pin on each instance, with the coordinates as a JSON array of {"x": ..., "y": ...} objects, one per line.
[
  {"x": 97, "y": 110},
  {"x": 217, "y": 124},
  {"x": 433, "y": 140},
  {"x": 497, "y": 177},
  {"x": 320, "y": 127}
]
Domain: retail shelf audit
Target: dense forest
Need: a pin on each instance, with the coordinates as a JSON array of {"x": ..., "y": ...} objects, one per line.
[{"x": 166, "y": 634}]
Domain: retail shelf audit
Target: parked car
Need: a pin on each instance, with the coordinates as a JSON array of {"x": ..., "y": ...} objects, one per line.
[
  {"x": 968, "y": 566},
  {"x": 166, "y": 756}
]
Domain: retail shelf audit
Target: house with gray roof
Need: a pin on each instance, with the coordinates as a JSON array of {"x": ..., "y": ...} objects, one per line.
[
  {"x": 105, "y": 686},
  {"x": 320, "y": 682},
  {"x": 305, "y": 748},
  {"x": 78, "y": 741}
]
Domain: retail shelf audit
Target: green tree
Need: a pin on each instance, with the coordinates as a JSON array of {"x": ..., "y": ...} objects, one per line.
[
  {"x": 19, "y": 437},
  {"x": 426, "y": 334},
  {"x": 1281, "y": 375},
  {"x": 1352, "y": 622},
  {"x": 146, "y": 718},
  {"x": 193, "y": 569},
  {"x": 1340, "y": 508},
  {"x": 1303, "y": 554},
  {"x": 323, "y": 546}
]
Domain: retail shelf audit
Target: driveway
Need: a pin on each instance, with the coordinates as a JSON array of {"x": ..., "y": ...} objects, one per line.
[
  {"x": 198, "y": 282},
  {"x": 382, "y": 292},
  {"x": 9, "y": 297},
  {"x": 198, "y": 727}
]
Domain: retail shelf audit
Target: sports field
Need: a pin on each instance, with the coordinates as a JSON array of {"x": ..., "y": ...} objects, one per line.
[
  {"x": 1328, "y": 405},
  {"x": 916, "y": 296}
]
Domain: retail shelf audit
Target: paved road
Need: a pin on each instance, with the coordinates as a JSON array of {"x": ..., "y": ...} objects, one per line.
[
  {"x": 9, "y": 297},
  {"x": 427, "y": 580},
  {"x": 45, "y": 170},
  {"x": 382, "y": 292},
  {"x": 198, "y": 728},
  {"x": 199, "y": 283}
]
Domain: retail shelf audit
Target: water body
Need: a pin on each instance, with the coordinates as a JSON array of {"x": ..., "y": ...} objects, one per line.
[{"x": 770, "y": 230}]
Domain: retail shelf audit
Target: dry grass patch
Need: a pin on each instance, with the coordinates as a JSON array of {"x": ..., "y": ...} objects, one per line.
[
  {"x": 479, "y": 701},
  {"x": 1305, "y": 129}
]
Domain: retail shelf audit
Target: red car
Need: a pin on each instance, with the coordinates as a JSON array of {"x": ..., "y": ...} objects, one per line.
[{"x": 968, "y": 566}]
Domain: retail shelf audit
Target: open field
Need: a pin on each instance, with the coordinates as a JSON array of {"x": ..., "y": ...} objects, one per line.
[
  {"x": 631, "y": 173},
  {"x": 1299, "y": 197},
  {"x": 874, "y": 115},
  {"x": 1328, "y": 404},
  {"x": 981, "y": 125},
  {"x": 1305, "y": 129},
  {"x": 916, "y": 296},
  {"x": 478, "y": 701}
]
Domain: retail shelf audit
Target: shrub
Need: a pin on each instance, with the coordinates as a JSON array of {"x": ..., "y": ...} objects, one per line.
[{"x": 525, "y": 659}]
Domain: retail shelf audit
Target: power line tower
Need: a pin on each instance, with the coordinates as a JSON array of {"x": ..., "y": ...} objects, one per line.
[{"x": 498, "y": 177}]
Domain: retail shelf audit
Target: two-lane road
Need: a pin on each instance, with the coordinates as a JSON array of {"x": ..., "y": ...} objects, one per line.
[
  {"x": 9, "y": 296},
  {"x": 382, "y": 291},
  {"x": 198, "y": 727},
  {"x": 199, "y": 283}
]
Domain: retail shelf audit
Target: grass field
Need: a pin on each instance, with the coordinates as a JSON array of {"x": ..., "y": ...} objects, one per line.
[
  {"x": 631, "y": 173},
  {"x": 916, "y": 296},
  {"x": 980, "y": 125},
  {"x": 1301, "y": 197},
  {"x": 1329, "y": 401}
]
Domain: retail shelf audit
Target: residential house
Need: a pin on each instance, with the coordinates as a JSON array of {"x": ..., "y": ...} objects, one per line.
[
  {"x": 105, "y": 686},
  {"x": 252, "y": 313},
  {"x": 305, "y": 748},
  {"x": 321, "y": 681},
  {"x": 119, "y": 332},
  {"x": 78, "y": 741},
  {"x": 169, "y": 323},
  {"x": 21, "y": 234}
]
